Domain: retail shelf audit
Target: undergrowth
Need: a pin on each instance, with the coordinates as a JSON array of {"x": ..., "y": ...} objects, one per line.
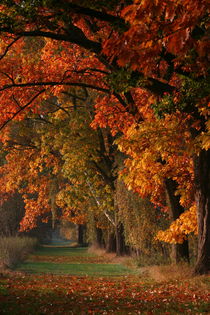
[{"x": 15, "y": 249}]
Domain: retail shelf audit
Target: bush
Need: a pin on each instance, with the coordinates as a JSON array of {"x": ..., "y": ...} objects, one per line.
[{"x": 15, "y": 249}]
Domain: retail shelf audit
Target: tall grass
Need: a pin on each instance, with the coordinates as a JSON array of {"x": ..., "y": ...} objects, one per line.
[{"x": 15, "y": 249}]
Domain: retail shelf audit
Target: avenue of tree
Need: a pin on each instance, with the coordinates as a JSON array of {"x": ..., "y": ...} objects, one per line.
[{"x": 104, "y": 118}]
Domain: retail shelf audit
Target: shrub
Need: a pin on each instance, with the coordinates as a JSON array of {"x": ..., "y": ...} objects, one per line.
[{"x": 15, "y": 249}]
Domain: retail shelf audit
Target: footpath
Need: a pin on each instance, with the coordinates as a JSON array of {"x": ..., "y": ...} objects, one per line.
[{"x": 63, "y": 280}]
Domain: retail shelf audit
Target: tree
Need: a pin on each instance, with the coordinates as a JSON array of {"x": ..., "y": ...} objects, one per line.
[
  {"x": 158, "y": 157},
  {"x": 11, "y": 213},
  {"x": 70, "y": 163},
  {"x": 153, "y": 45},
  {"x": 141, "y": 221}
]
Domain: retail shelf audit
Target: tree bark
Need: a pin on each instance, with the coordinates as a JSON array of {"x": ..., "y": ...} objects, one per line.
[
  {"x": 121, "y": 248},
  {"x": 202, "y": 197},
  {"x": 99, "y": 238},
  {"x": 80, "y": 234},
  {"x": 111, "y": 243},
  {"x": 180, "y": 252}
]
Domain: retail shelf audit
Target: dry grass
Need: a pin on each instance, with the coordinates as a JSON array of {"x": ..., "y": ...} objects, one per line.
[
  {"x": 168, "y": 272},
  {"x": 14, "y": 250},
  {"x": 158, "y": 273},
  {"x": 181, "y": 273},
  {"x": 127, "y": 261},
  {"x": 108, "y": 257}
]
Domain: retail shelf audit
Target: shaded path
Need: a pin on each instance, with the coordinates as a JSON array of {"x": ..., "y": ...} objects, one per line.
[
  {"x": 72, "y": 261},
  {"x": 49, "y": 293}
]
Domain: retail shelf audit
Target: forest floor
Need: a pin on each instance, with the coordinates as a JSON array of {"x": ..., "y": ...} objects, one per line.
[{"x": 74, "y": 281}]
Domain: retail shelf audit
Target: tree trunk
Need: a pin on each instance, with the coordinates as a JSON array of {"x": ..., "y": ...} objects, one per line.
[
  {"x": 202, "y": 197},
  {"x": 111, "y": 243},
  {"x": 121, "y": 248},
  {"x": 81, "y": 234},
  {"x": 99, "y": 238},
  {"x": 180, "y": 252}
]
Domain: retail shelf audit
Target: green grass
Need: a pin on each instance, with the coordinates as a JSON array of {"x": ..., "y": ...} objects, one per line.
[
  {"x": 62, "y": 251},
  {"x": 48, "y": 263},
  {"x": 75, "y": 269}
]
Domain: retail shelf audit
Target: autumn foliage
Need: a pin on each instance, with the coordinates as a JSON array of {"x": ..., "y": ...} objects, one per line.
[{"x": 146, "y": 66}]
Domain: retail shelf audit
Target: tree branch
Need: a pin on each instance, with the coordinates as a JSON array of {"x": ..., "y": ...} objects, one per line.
[
  {"x": 54, "y": 83},
  {"x": 8, "y": 47},
  {"x": 99, "y": 15},
  {"x": 21, "y": 109},
  {"x": 108, "y": 179},
  {"x": 73, "y": 35}
]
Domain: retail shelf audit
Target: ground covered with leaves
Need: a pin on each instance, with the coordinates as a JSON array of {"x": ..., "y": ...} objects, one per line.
[{"x": 129, "y": 293}]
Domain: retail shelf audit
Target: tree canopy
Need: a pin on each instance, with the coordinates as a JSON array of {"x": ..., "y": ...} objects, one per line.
[{"x": 146, "y": 62}]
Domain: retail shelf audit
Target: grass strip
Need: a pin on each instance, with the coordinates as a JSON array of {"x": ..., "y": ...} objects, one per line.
[{"x": 75, "y": 269}]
